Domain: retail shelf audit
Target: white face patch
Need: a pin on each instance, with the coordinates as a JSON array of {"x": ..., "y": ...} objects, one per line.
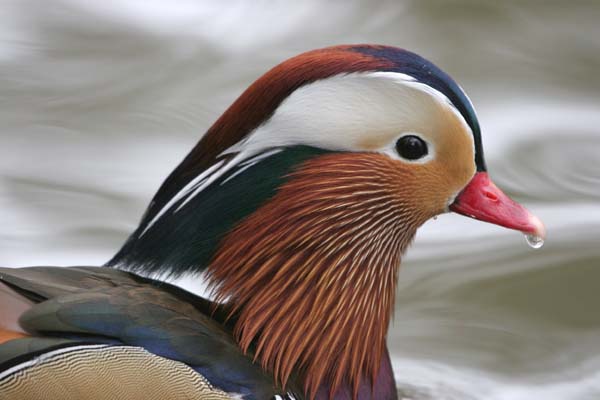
[
  {"x": 352, "y": 112},
  {"x": 357, "y": 112}
]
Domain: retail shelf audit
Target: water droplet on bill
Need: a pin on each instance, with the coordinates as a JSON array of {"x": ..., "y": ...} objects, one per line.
[{"x": 534, "y": 241}]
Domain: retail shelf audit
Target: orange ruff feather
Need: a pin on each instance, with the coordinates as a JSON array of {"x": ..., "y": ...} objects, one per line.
[{"x": 312, "y": 273}]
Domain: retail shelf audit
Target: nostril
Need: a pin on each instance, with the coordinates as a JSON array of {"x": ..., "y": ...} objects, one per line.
[{"x": 491, "y": 196}]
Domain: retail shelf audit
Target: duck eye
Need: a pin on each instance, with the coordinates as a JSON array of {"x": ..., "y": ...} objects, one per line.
[{"x": 411, "y": 147}]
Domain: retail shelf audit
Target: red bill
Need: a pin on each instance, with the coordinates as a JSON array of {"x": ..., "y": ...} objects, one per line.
[{"x": 483, "y": 200}]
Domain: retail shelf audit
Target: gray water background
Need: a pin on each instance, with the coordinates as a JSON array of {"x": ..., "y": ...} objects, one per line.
[{"x": 99, "y": 100}]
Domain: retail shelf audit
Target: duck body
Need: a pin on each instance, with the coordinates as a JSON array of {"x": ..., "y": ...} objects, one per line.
[
  {"x": 298, "y": 204},
  {"x": 109, "y": 317},
  {"x": 91, "y": 306}
]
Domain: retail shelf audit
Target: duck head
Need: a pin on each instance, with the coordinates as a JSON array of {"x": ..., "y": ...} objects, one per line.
[{"x": 302, "y": 197}]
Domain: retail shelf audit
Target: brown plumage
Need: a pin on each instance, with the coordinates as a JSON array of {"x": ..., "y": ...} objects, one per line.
[
  {"x": 11, "y": 308},
  {"x": 312, "y": 274}
]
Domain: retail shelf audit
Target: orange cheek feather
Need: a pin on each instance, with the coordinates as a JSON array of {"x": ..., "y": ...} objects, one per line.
[{"x": 312, "y": 273}]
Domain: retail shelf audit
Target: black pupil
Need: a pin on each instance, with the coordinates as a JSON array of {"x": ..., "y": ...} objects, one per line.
[{"x": 411, "y": 147}]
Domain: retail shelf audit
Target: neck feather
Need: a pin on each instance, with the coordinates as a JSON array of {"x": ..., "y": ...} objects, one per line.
[{"x": 312, "y": 273}]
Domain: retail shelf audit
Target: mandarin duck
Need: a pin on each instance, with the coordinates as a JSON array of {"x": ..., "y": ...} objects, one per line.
[{"x": 298, "y": 204}]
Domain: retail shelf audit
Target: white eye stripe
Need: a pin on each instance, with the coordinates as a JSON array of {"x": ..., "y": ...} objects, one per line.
[
  {"x": 409, "y": 80},
  {"x": 340, "y": 112},
  {"x": 397, "y": 76}
]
